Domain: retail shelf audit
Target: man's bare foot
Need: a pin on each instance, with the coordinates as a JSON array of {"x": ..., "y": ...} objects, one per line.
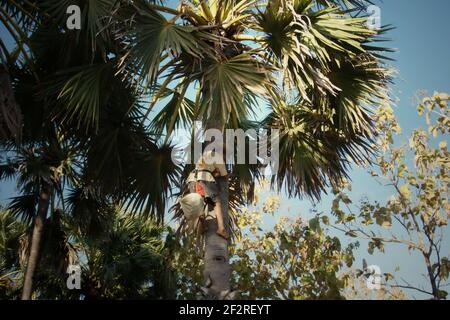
[{"x": 223, "y": 234}]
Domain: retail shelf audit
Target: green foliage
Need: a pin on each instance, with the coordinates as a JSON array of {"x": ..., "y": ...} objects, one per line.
[
  {"x": 12, "y": 236},
  {"x": 73, "y": 93},
  {"x": 126, "y": 51},
  {"x": 291, "y": 262},
  {"x": 123, "y": 260},
  {"x": 294, "y": 260}
]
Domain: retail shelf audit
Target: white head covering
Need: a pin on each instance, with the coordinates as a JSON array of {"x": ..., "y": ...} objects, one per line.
[{"x": 192, "y": 205}]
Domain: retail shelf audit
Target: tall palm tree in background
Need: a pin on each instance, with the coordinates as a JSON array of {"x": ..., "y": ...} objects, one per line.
[
  {"x": 72, "y": 99},
  {"x": 312, "y": 62},
  {"x": 121, "y": 256},
  {"x": 39, "y": 171}
]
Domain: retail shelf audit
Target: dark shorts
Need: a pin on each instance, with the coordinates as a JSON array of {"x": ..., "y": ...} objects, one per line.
[{"x": 211, "y": 190}]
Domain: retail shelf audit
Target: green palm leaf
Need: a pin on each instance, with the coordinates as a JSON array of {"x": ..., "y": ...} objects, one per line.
[
  {"x": 81, "y": 93},
  {"x": 228, "y": 86},
  {"x": 154, "y": 38}
]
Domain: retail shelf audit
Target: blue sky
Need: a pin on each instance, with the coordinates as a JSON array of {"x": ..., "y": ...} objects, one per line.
[{"x": 422, "y": 37}]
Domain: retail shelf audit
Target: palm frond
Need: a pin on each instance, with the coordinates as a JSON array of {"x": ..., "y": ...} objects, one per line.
[
  {"x": 8, "y": 170},
  {"x": 228, "y": 85},
  {"x": 166, "y": 39},
  {"x": 12, "y": 231},
  {"x": 81, "y": 93},
  {"x": 312, "y": 154},
  {"x": 282, "y": 28},
  {"x": 178, "y": 112},
  {"x": 152, "y": 176},
  {"x": 24, "y": 207},
  {"x": 10, "y": 113},
  {"x": 88, "y": 212},
  {"x": 128, "y": 256},
  {"x": 95, "y": 17},
  {"x": 347, "y": 4},
  {"x": 362, "y": 82}
]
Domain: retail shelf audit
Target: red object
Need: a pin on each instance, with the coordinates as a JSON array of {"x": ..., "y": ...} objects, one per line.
[{"x": 199, "y": 189}]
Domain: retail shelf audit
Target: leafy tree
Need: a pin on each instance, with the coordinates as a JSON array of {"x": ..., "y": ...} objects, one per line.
[
  {"x": 418, "y": 173},
  {"x": 296, "y": 260},
  {"x": 356, "y": 289},
  {"x": 126, "y": 262}
]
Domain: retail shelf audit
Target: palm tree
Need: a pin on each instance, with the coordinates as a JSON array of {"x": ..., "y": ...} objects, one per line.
[
  {"x": 81, "y": 119},
  {"x": 39, "y": 171},
  {"x": 127, "y": 261},
  {"x": 12, "y": 237},
  {"x": 313, "y": 62},
  {"x": 122, "y": 256}
]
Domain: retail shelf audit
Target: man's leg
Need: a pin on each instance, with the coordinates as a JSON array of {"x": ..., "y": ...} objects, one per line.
[{"x": 221, "y": 231}]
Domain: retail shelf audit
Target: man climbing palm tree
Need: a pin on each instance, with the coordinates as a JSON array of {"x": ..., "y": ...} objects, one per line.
[{"x": 202, "y": 180}]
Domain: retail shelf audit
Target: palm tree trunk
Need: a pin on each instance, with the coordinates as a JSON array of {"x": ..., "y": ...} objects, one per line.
[
  {"x": 217, "y": 268},
  {"x": 38, "y": 229}
]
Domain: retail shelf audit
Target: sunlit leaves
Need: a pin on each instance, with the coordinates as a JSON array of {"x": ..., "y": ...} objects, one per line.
[
  {"x": 418, "y": 177},
  {"x": 152, "y": 37},
  {"x": 332, "y": 30},
  {"x": 229, "y": 87},
  {"x": 238, "y": 54},
  {"x": 295, "y": 260}
]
